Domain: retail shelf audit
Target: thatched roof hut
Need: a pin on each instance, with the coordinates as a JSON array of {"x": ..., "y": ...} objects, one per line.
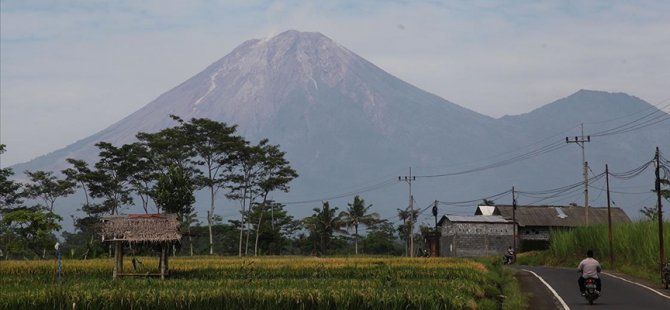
[
  {"x": 161, "y": 229},
  {"x": 140, "y": 228}
]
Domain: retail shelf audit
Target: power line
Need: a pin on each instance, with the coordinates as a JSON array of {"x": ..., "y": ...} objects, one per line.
[{"x": 359, "y": 191}]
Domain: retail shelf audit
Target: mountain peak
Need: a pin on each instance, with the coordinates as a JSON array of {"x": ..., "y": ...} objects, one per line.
[{"x": 295, "y": 35}]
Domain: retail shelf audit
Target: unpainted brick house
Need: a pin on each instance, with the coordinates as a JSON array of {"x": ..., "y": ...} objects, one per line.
[{"x": 474, "y": 235}]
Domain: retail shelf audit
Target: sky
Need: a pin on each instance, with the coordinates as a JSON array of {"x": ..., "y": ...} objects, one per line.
[{"x": 69, "y": 69}]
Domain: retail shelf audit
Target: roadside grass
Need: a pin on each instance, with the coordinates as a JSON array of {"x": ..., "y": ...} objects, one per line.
[
  {"x": 511, "y": 295},
  {"x": 635, "y": 248}
]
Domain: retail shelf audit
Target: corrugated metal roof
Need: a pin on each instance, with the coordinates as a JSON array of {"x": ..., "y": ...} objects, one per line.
[
  {"x": 476, "y": 219},
  {"x": 551, "y": 215}
]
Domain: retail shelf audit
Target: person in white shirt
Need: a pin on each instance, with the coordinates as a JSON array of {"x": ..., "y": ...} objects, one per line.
[{"x": 589, "y": 268}]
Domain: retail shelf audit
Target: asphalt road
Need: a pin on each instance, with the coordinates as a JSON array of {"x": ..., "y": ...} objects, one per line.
[{"x": 616, "y": 293}]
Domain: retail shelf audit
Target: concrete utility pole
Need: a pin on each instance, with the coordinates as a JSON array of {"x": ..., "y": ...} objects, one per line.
[
  {"x": 660, "y": 209},
  {"x": 580, "y": 141},
  {"x": 514, "y": 221},
  {"x": 609, "y": 216},
  {"x": 435, "y": 214},
  {"x": 409, "y": 180}
]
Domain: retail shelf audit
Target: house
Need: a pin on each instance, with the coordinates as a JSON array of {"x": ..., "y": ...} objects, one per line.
[
  {"x": 535, "y": 223},
  {"x": 159, "y": 229},
  {"x": 474, "y": 235}
]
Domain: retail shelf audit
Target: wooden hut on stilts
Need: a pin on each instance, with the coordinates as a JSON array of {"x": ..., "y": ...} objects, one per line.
[{"x": 161, "y": 229}]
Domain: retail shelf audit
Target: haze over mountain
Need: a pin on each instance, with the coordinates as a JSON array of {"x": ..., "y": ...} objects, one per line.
[{"x": 348, "y": 126}]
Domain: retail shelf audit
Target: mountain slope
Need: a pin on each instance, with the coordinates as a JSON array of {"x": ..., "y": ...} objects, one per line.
[{"x": 346, "y": 124}]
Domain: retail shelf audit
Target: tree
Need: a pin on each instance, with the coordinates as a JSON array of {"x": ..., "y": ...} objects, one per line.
[
  {"x": 110, "y": 179},
  {"x": 187, "y": 221},
  {"x": 214, "y": 148},
  {"x": 323, "y": 224},
  {"x": 141, "y": 174},
  {"x": 271, "y": 236},
  {"x": 79, "y": 174},
  {"x": 486, "y": 202},
  {"x": 357, "y": 214},
  {"x": 85, "y": 236},
  {"x": 30, "y": 228},
  {"x": 174, "y": 192},
  {"x": 381, "y": 239},
  {"x": 47, "y": 187},
  {"x": 10, "y": 198},
  {"x": 244, "y": 183},
  {"x": 275, "y": 174},
  {"x": 10, "y": 191},
  {"x": 404, "y": 230},
  {"x": 649, "y": 213}
]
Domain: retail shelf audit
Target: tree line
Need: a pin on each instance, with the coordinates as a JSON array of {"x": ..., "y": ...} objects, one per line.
[{"x": 161, "y": 172}]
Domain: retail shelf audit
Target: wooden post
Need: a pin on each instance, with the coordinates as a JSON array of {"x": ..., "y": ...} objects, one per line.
[
  {"x": 118, "y": 259},
  {"x": 167, "y": 265},
  {"x": 163, "y": 261}
]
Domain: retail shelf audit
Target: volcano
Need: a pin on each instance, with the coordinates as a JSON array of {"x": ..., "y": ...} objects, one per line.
[{"x": 348, "y": 127}]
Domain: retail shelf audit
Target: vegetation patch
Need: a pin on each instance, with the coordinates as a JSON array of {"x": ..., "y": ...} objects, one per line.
[{"x": 635, "y": 248}]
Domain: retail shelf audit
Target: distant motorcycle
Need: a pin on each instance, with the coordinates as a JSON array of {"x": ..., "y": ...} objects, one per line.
[
  {"x": 591, "y": 293},
  {"x": 507, "y": 259},
  {"x": 666, "y": 275}
]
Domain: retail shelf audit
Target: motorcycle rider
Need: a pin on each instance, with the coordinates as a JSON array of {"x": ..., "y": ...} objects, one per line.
[
  {"x": 589, "y": 268},
  {"x": 509, "y": 256}
]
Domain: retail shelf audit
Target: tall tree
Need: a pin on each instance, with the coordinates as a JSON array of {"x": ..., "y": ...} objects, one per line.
[
  {"x": 275, "y": 174},
  {"x": 110, "y": 179},
  {"x": 79, "y": 174},
  {"x": 323, "y": 224},
  {"x": 11, "y": 197},
  {"x": 245, "y": 185},
  {"x": 10, "y": 190},
  {"x": 47, "y": 187},
  {"x": 141, "y": 171},
  {"x": 357, "y": 214},
  {"x": 215, "y": 148}
]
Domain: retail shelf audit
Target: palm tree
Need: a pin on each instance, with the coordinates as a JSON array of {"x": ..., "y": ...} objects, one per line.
[
  {"x": 187, "y": 221},
  {"x": 324, "y": 223},
  {"x": 356, "y": 214}
]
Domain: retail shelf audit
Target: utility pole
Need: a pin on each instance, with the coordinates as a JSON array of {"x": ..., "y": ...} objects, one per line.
[
  {"x": 609, "y": 216},
  {"x": 580, "y": 141},
  {"x": 435, "y": 214},
  {"x": 514, "y": 222},
  {"x": 409, "y": 180},
  {"x": 660, "y": 209}
]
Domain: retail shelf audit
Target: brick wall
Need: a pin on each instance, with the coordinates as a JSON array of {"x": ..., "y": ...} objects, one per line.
[{"x": 475, "y": 239}]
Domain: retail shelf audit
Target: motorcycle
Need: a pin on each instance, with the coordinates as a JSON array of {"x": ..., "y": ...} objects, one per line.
[
  {"x": 507, "y": 259},
  {"x": 666, "y": 275},
  {"x": 591, "y": 293}
]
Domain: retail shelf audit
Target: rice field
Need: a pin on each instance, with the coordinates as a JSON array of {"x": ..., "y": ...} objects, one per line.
[{"x": 256, "y": 283}]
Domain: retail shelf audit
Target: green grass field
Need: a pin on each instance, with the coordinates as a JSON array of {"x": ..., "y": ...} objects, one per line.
[{"x": 263, "y": 283}]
